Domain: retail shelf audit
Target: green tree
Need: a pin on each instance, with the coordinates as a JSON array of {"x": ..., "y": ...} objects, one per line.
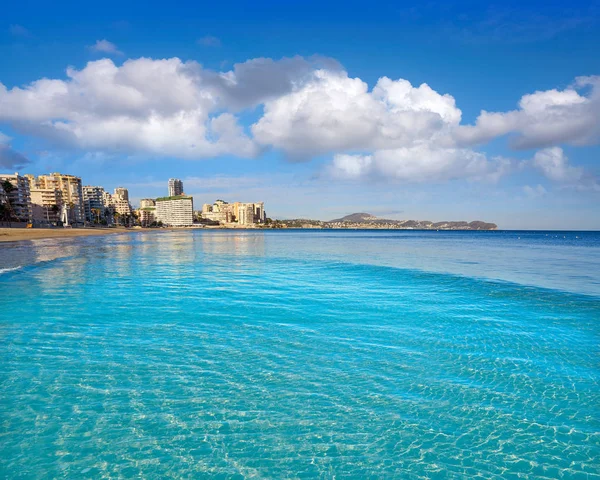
[{"x": 7, "y": 213}]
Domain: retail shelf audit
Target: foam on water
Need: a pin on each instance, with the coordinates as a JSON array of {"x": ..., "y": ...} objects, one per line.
[{"x": 295, "y": 355}]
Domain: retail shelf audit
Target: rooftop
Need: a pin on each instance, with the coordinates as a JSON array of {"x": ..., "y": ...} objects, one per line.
[{"x": 176, "y": 197}]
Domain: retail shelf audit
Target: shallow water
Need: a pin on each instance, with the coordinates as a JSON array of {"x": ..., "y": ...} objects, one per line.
[{"x": 307, "y": 354}]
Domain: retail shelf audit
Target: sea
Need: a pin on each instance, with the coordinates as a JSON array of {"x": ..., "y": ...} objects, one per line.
[{"x": 301, "y": 354}]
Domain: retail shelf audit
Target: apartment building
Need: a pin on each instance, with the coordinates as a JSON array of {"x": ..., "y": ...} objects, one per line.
[
  {"x": 93, "y": 203},
  {"x": 175, "y": 211},
  {"x": 18, "y": 199},
  {"x": 71, "y": 192},
  {"x": 175, "y": 187},
  {"x": 46, "y": 205}
]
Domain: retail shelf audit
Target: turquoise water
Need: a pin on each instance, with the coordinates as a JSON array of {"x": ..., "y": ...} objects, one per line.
[{"x": 308, "y": 354}]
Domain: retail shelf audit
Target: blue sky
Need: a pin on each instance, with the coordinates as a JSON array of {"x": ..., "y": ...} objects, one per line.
[{"x": 312, "y": 144}]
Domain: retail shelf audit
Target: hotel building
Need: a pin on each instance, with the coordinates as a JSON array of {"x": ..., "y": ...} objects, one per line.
[{"x": 175, "y": 211}]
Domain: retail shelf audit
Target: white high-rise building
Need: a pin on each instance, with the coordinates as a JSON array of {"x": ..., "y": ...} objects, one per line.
[
  {"x": 175, "y": 187},
  {"x": 175, "y": 212}
]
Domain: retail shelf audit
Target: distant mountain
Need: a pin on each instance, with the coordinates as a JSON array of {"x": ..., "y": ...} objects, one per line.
[
  {"x": 366, "y": 220},
  {"x": 356, "y": 218}
]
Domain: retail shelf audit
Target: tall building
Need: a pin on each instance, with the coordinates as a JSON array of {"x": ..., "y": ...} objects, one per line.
[
  {"x": 175, "y": 211},
  {"x": 93, "y": 203},
  {"x": 18, "y": 199},
  {"x": 122, "y": 193},
  {"x": 260, "y": 215},
  {"x": 121, "y": 201},
  {"x": 71, "y": 191},
  {"x": 175, "y": 187},
  {"x": 245, "y": 214},
  {"x": 250, "y": 213}
]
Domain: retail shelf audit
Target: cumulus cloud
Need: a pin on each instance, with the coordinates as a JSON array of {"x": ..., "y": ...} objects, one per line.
[
  {"x": 104, "y": 46},
  {"x": 263, "y": 80},
  {"x": 10, "y": 158},
  {"x": 166, "y": 107},
  {"x": 111, "y": 108},
  {"x": 333, "y": 112},
  {"x": 544, "y": 118},
  {"x": 405, "y": 130},
  {"x": 554, "y": 164},
  {"x": 307, "y": 107},
  {"x": 420, "y": 163}
]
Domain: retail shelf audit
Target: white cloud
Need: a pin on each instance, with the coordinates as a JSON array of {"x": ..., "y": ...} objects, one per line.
[
  {"x": 420, "y": 163},
  {"x": 110, "y": 108},
  {"x": 332, "y": 112},
  {"x": 554, "y": 164},
  {"x": 104, "y": 46},
  {"x": 310, "y": 107},
  {"x": 544, "y": 118}
]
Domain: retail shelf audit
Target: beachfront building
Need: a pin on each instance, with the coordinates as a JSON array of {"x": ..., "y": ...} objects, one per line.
[
  {"x": 17, "y": 197},
  {"x": 147, "y": 216},
  {"x": 175, "y": 187},
  {"x": 46, "y": 204},
  {"x": 71, "y": 192},
  {"x": 121, "y": 201},
  {"x": 175, "y": 211},
  {"x": 260, "y": 216},
  {"x": 220, "y": 211},
  {"x": 93, "y": 203},
  {"x": 242, "y": 213},
  {"x": 117, "y": 208},
  {"x": 147, "y": 212},
  {"x": 245, "y": 214}
]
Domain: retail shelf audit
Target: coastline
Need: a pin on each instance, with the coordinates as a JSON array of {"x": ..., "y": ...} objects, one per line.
[{"x": 20, "y": 234}]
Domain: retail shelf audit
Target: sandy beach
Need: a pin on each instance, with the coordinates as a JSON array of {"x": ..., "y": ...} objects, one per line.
[{"x": 18, "y": 234}]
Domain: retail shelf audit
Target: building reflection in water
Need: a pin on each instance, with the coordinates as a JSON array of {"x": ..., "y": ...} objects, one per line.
[{"x": 242, "y": 243}]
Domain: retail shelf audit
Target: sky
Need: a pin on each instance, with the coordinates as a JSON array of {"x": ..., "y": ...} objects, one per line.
[{"x": 426, "y": 111}]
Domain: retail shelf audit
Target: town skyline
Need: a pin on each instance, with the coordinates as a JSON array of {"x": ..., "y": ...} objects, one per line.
[{"x": 494, "y": 115}]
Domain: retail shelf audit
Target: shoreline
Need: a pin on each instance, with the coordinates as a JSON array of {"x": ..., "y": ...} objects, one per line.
[{"x": 21, "y": 234}]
